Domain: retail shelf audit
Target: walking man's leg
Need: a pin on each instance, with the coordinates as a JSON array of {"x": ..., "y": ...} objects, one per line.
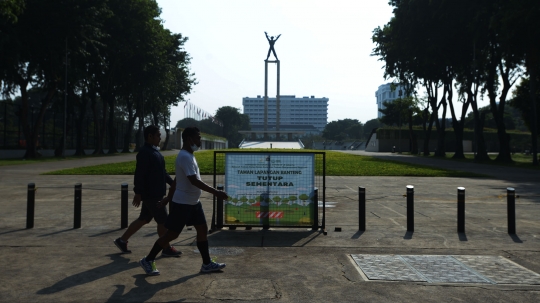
[
  {"x": 202, "y": 244},
  {"x": 122, "y": 242},
  {"x": 148, "y": 263}
]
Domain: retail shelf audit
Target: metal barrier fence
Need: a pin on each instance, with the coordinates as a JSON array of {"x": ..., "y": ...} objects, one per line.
[
  {"x": 275, "y": 208},
  {"x": 77, "y": 205},
  {"x": 510, "y": 202}
]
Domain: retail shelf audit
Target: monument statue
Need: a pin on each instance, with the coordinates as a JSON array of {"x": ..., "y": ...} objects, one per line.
[{"x": 271, "y": 41}]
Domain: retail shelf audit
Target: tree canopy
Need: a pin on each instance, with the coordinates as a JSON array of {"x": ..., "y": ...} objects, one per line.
[
  {"x": 114, "y": 58},
  {"x": 462, "y": 48}
]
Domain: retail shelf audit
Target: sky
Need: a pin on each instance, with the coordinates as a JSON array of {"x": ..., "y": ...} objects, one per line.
[{"x": 324, "y": 51}]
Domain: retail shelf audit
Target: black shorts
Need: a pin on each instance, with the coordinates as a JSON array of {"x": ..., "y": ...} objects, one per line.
[
  {"x": 184, "y": 214},
  {"x": 149, "y": 210}
]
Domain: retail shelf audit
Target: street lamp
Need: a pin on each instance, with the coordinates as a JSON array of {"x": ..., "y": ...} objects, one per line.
[{"x": 400, "y": 103}]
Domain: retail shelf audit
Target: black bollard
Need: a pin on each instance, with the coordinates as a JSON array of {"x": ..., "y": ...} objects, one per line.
[
  {"x": 461, "y": 209},
  {"x": 78, "y": 202},
  {"x": 315, "y": 209},
  {"x": 361, "y": 208},
  {"x": 410, "y": 208},
  {"x": 511, "y": 209},
  {"x": 219, "y": 223},
  {"x": 30, "y": 205},
  {"x": 124, "y": 206}
]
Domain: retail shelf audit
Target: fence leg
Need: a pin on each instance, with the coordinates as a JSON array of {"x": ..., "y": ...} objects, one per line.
[
  {"x": 124, "y": 206},
  {"x": 461, "y": 209},
  {"x": 511, "y": 209},
  {"x": 315, "y": 209},
  {"x": 219, "y": 215},
  {"x": 361, "y": 208},
  {"x": 410, "y": 208},
  {"x": 30, "y": 205},
  {"x": 78, "y": 197}
]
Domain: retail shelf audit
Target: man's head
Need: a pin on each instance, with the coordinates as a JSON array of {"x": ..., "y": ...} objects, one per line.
[
  {"x": 191, "y": 136},
  {"x": 152, "y": 135}
]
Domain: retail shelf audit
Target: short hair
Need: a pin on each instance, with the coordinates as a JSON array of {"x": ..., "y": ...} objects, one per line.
[
  {"x": 189, "y": 132},
  {"x": 150, "y": 130}
]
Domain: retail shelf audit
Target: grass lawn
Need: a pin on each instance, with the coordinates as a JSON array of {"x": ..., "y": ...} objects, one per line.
[
  {"x": 337, "y": 164},
  {"x": 520, "y": 160},
  {"x": 4, "y": 162}
]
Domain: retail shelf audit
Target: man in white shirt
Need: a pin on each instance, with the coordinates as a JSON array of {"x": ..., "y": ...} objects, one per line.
[{"x": 186, "y": 209}]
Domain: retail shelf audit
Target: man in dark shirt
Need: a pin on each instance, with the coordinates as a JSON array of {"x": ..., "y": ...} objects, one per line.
[{"x": 150, "y": 187}]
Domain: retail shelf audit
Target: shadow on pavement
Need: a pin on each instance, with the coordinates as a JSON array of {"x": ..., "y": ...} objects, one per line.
[
  {"x": 118, "y": 264},
  {"x": 358, "y": 234},
  {"x": 106, "y": 232},
  {"x": 12, "y": 231},
  {"x": 145, "y": 291},
  {"x": 515, "y": 238},
  {"x": 462, "y": 237},
  {"x": 262, "y": 238},
  {"x": 57, "y": 232},
  {"x": 408, "y": 235}
]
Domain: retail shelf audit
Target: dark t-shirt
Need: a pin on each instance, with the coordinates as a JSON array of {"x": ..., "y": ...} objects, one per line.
[{"x": 151, "y": 178}]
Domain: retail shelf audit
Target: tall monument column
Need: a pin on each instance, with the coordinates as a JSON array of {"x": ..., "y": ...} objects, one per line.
[{"x": 271, "y": 41}]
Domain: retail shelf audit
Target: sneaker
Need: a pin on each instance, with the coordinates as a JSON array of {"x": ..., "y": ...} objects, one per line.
[
  {"x": 213, "y": 266},
  {"x": 171, "y": 252},
  {"x": 122, "y": 246},
  {"x": 149, "y": 267}
]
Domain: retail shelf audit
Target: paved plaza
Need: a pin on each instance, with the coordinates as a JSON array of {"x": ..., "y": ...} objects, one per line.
[{"x": 53, "y": 262}]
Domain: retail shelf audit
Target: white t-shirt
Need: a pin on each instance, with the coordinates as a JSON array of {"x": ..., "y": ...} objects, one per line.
[{"x": 186, "y": 165}]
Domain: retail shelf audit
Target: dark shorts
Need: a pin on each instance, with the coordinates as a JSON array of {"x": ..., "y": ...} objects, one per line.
[
  {"x": 150, "y": 211},
  {"x": 182, "y": 214}
]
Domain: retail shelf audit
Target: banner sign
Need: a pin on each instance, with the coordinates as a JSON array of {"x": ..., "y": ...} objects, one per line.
[{"x": 276, "y": 187}]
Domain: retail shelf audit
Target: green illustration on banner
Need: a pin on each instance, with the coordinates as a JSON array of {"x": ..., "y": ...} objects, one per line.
[{"x": 274, "y": 189}]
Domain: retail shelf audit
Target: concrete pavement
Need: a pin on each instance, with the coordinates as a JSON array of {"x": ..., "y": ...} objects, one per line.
[{"x": 55, "y": 263}]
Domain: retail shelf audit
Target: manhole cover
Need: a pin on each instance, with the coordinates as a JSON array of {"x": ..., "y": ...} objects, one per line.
[
  {"x": 386, "y": 267},
  {"x": 223, "y": 251},
  {"x": 500, "y": 270},
  {"x": 445, "y": 269}
]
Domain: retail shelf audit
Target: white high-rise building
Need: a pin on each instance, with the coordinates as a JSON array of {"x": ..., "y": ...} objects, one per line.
[
  {"x": 385, "y": 94},
  {"x": 306, "y": 114}
]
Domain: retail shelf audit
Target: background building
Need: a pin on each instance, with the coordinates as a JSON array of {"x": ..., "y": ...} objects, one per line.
[
  {"x": 385, "y": 94},
  {"x": 308, "y": 115}
]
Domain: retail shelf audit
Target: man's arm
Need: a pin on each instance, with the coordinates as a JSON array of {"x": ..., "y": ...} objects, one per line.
[
  {"x": 169, "y": 197},
  {"x": 278, "y": 37},
  {"x": 267, "y": 36},
  {"x": 141, "y": 169},
  {"x": 207, "y": 188}
]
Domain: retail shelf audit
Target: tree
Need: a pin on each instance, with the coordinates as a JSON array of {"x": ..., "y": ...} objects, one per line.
[
  {"x": 519, "y": 28},
  {"x": 343, "y": 129},
  {"x": 33, "y": 51},
  {"x": 233, "y": 121},
  {"x": 370, "y": 125},
  {"x": 521, "y": 101},
  {"x": 10, "y": 10}
]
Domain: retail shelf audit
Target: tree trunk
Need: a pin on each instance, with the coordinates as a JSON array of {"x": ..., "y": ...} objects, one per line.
[
  {"x": 481, "y": 150},
  {"x": 532, "y": 67},
  {"x": 412, "y": 136},
  {"x": 112, "y": 130},
  {"x": 98, "y": 150},
  {"x": 79, "y": 122},
  {"x": 441, "y": 130},
  {"x": 166, "y": 142},
  {"x": 31, "y": 131},
  {"x": 127, "y": 134},
  {"x": 459, "y": 124},
  {"x": 427, "y": 133}
]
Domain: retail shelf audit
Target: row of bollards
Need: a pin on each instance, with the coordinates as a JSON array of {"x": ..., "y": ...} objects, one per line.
[
  {"x": 31, "y": 202},
  {"x": 511, "y": 209}
]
